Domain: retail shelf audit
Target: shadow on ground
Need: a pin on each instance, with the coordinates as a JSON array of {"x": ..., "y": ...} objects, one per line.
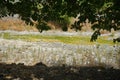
[{"x": 41, "y": 72}]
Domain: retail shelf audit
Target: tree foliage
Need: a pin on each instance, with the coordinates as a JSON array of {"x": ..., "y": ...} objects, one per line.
[{"x": 105, "y": 12}]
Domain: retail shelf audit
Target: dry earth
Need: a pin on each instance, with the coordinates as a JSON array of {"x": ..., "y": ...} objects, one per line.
[{"x": 42, "y": 72}]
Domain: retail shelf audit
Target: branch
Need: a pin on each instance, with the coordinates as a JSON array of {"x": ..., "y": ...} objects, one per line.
[{"x": 33, "y": 21}]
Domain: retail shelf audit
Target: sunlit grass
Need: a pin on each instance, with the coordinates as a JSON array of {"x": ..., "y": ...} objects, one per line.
[
  {"x": 104, "y": 40},
  {"x": 53, "y": 38}
]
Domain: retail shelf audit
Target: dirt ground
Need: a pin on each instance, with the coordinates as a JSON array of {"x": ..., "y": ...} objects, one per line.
[{"x": 42, "y": 72}]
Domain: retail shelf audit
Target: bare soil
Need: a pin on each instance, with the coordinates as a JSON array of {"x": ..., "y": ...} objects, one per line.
[{"x": 42, "y": 72}]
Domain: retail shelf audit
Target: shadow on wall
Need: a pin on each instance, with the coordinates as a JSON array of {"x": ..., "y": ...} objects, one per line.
[{"x": 42, "y": 72}]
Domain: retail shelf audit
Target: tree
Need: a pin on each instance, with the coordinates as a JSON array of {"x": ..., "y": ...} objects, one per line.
[
  {"x": 105, "y": 12},
  {"x": 3, "y": 9}
]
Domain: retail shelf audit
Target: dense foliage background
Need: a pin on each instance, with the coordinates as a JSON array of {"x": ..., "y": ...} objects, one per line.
[{"x": 105, "y": 12}]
